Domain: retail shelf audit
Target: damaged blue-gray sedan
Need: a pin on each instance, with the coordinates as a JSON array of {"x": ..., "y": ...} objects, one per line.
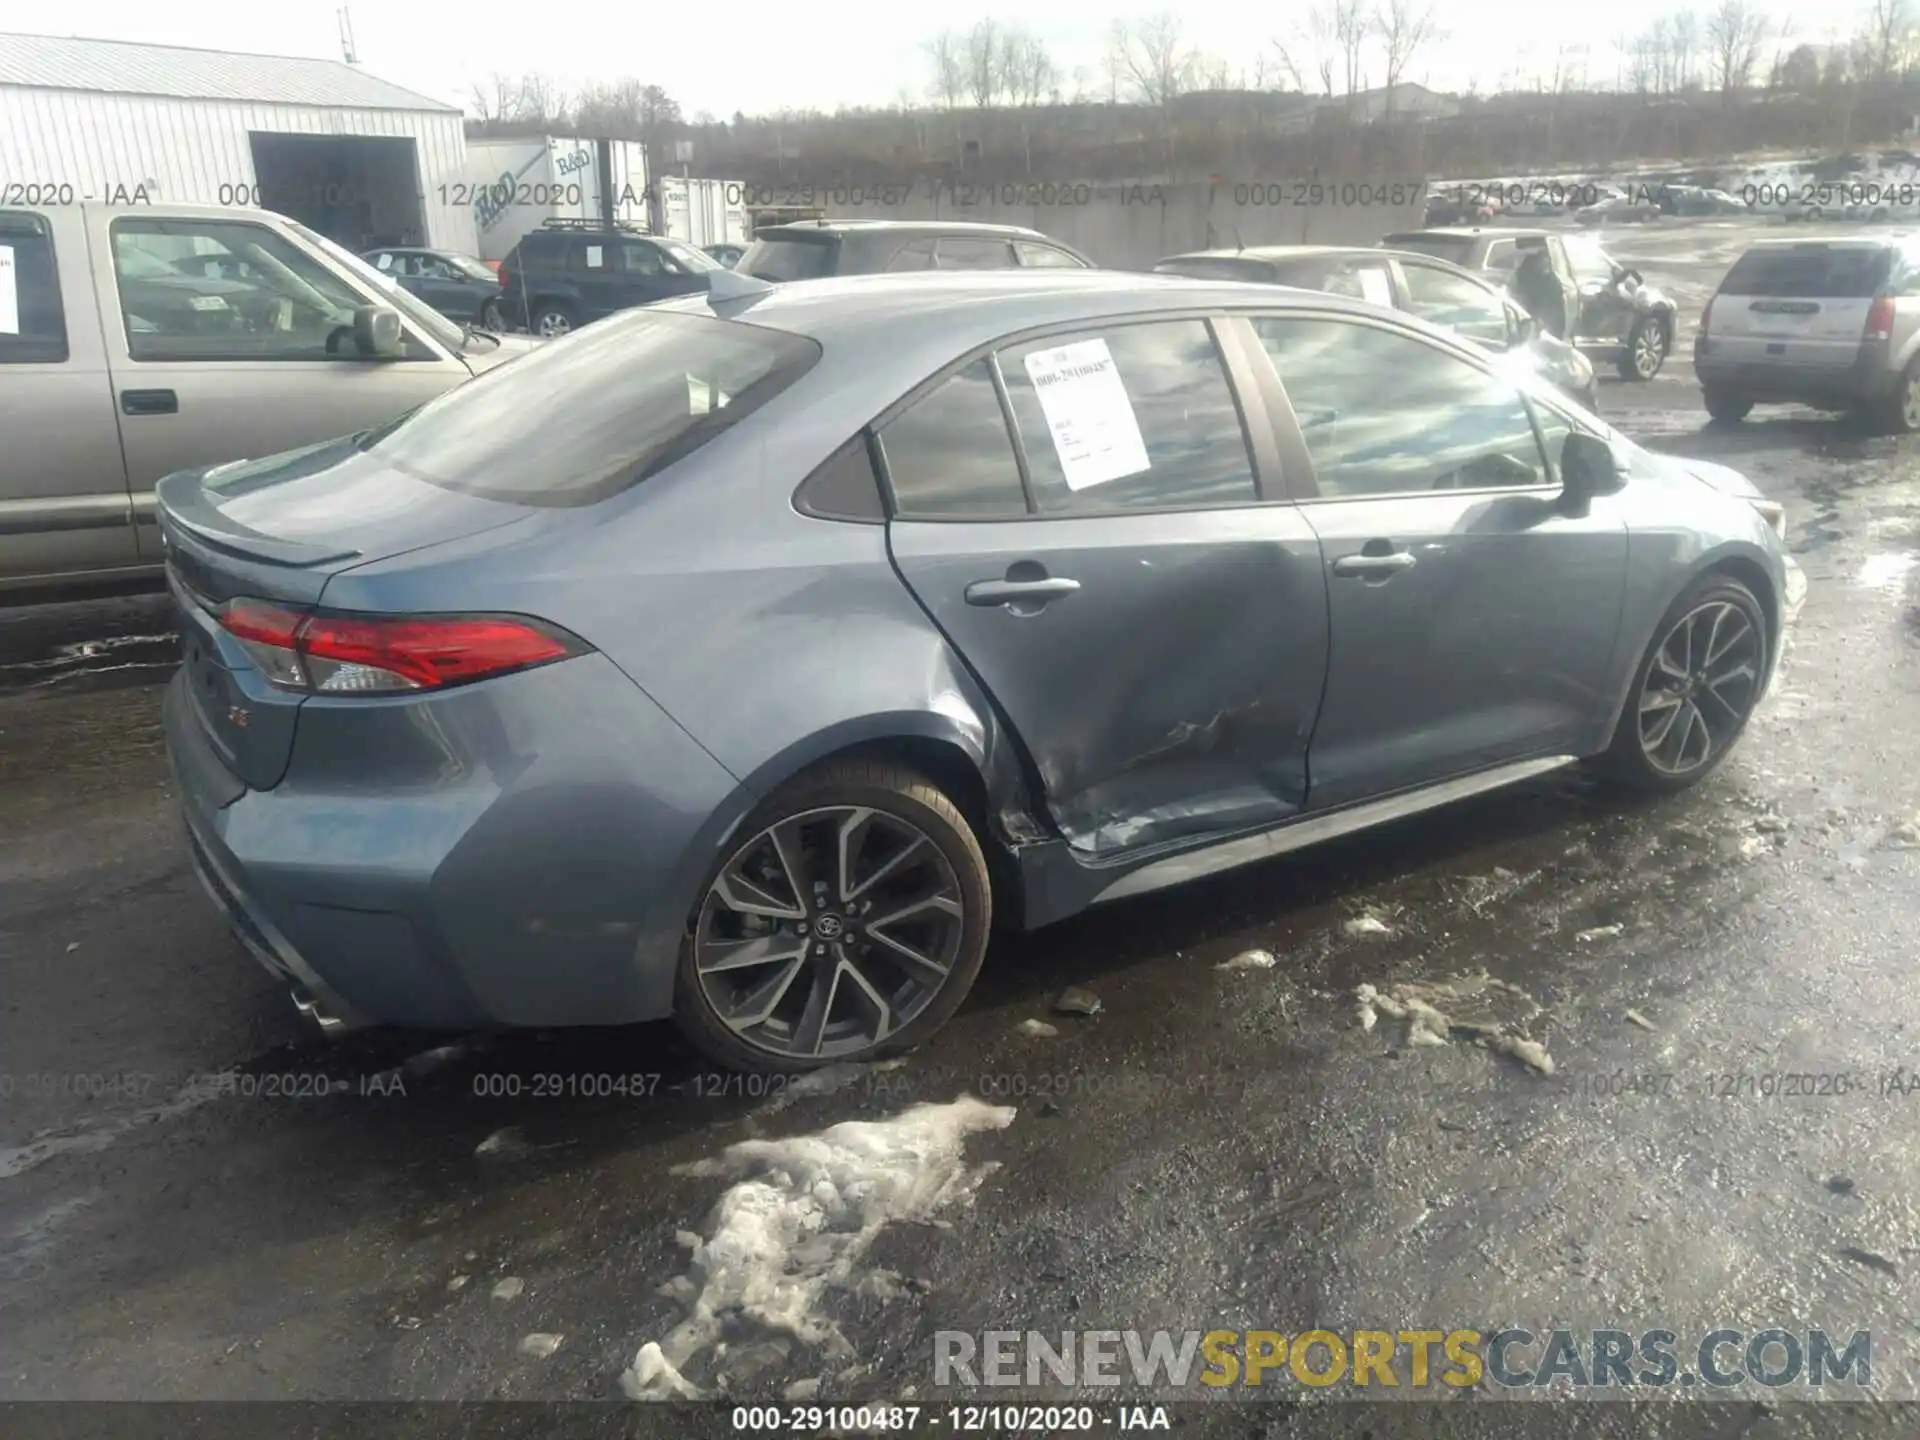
[{"x": 747, "y": 658}]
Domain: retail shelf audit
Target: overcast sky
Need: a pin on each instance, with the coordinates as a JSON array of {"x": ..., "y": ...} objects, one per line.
[{"x": 755, "y": 56}]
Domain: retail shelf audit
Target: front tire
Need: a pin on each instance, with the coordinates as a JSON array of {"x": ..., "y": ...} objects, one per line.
[
  {"x": 1646, "y": 351},
  {"x": 848, "y": 924},
  {"x": 1694, "y": 690},
  {"x": 491, "y": 320}
]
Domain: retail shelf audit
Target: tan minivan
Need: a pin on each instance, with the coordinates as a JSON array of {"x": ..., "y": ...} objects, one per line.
[{"x": 140, "y": 340}]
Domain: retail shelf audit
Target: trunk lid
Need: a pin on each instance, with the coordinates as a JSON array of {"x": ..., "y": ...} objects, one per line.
[
  {"x": 1802, "y": 305},
  {"x": 279, "y": 529}
]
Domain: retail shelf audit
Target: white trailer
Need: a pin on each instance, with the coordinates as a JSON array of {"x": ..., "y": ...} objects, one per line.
[
  {"x": 698, "y": 212},
  {"x": 516, "y": 185}
]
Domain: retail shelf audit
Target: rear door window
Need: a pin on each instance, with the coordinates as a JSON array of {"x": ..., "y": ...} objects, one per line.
[
  {"x": 1456, "y": 302},
  {"x": 1810, "y": 272},
  {"x": 951, "y": 457},
  {"x": 917, "y": 256},
  {"x": 964, "y": 252},
  {"x": 33, "y": 323},
  {"x": 663, "y": 385},
  {"x": 1128, "y": 417},
  {"x": 1045, "y": 256}
]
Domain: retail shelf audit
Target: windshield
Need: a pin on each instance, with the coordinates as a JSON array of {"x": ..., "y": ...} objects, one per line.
[
  {"x": 787, "y": 259},
  {"x": 473, "y": 269},
  {"x": 662, "y": 385},
  {"x": 421, "y": 314}
]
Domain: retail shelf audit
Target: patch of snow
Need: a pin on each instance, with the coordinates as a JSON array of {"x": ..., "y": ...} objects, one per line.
[
  {"x": 540, "y": 1345},
  {"x": 42, "y": 1148},
  {"x": 1040, "y": 1029},
  {"x": 1368, "y": 924},
  {"x": 1887, "y": 571},
  {"x": 1600, "y": 932},
  {"x": 510, "y": 1288},
  {"x": 1249, "y": 960},
  {"x": 799, "y": 1219}
]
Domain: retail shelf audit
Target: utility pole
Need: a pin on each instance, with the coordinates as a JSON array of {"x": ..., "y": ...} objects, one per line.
[{"x": 347, "y": 51}]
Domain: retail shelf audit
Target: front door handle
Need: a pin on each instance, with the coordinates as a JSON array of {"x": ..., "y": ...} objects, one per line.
[
  {"x": 149, "y": 402},
  {"x": 1006, "y": 592},
  {"x": 1375, "y": 565}
]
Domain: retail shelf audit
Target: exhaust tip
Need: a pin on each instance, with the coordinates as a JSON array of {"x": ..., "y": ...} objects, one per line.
[{"x": 329, "y": 1023}]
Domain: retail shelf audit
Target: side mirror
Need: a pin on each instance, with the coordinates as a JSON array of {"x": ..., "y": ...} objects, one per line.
[
  {"x": 376, "y": 332},
  {"x": 1587, "y": 468},
  {"x": 1525, "y": 324}
]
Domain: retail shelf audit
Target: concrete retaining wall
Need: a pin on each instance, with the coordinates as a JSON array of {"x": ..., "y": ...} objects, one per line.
[{"x": 1130, "y": 226}]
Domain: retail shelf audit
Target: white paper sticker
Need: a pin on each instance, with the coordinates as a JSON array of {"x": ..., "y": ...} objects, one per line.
[
  {"x": 9, "y": 293},
  {"x": 206, "y": 302},
  {"x": 1094, "y": 430},
  {"x": 699, "y": 397},
  {"x": 386, "y": 262},
  {"x": 594, "y": 261},
  {"x": 1374, "y": 288}
]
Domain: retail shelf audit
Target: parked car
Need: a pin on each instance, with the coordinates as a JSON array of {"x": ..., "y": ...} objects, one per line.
[
  {"x": 1422, "y": 285},
  {"x": 1829, "y": 323},
  {"x": 569, "y": 273},
  {"x": 727, "y": 255},
  {"x": 1616, "y": 315},
  {"x": 1077, "y": 586},
  {"x": 1692, "y": 201},
  {"x": 460, "y": 287},
  {"x": 157, "y": 337},
  {"x": 815, "y": 249},
  {"x": 1618, "y": 210}
]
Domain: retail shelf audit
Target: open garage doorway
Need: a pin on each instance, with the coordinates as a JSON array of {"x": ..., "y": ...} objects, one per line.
[{"x": 362, "y": 191}]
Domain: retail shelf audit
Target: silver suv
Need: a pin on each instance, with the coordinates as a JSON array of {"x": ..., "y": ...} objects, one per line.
[{"x": 1834, "y": 324}]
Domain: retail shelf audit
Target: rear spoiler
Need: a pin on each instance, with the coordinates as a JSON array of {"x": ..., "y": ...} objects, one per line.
[{"x": 181, "y": 503}]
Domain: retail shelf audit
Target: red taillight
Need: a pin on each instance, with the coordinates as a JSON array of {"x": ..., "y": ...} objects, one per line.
[
  {"x": 377, "y": 654},
  {"x": 1880, "y": 319}
]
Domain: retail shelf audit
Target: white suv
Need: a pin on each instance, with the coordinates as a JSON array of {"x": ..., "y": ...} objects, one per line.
[{"x": 1834, "y": 324}]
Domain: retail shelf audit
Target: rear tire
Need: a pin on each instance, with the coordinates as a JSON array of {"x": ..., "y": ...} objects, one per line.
[
  {"x": 1726, "y": 409},
  {"x": 1646, "y": 352},
  {"x": 491, "y": 320},
  {"x": 1693, "y": 691},
  {"x": 799, "y": 885},
  {"x": 552, "y": 319}
]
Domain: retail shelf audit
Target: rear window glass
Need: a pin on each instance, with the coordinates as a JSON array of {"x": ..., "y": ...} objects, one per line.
[
  {"x": 662, "y": 384},
  {"x": 789, "y": 259},
  {"x": 1813, "y": 272},
  {"x": 1457, "y": 248}
]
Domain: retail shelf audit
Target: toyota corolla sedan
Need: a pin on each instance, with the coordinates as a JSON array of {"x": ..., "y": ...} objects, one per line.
[{"x": 841, "y": 620}]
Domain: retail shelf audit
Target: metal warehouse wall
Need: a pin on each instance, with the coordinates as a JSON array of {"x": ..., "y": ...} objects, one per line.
[{"x": 186, "y": 150}]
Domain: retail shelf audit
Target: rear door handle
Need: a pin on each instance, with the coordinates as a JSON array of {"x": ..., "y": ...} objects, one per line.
[
  {"x": 1003, "y": 592},
  {"x": 1374, "y": 564},
  {"x": 149, "y": 402}
]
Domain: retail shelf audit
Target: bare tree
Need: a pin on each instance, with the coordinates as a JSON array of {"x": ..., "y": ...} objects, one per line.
[
  {"x": 540, "y": 98},
  {"x": 495, "y": 100},
  {"x": 1158, "y": 64},
  {"x": 1736, "y": 32},
  {"x": 1027, "y": 72},
  {"x": 983, "y": 64},
  {"x": 1310, "y": 56},
  {"x": 1353, "y": 26},
  {"x": 1405, "y": 26},
  {"x": 1888, "y": 30},
  {"x": 1683, "y": 37},
  {"x": 947, "y": 52}
]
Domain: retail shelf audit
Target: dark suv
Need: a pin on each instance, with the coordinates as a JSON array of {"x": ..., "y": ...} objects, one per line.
[
  {"x": 569, "y": 273},
  {"x": 816, "y": 249}
]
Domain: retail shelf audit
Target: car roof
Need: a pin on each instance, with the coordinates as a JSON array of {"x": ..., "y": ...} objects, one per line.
[
  {"x": 959, "y": 310},
  {"x": 903, "y": 227},
  {"x": 1281, "y": 253},
  {"x": 1858, "y": 242},
  {"x": 1492, "y": 232}
]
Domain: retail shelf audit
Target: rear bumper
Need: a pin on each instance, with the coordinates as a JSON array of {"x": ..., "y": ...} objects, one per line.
[
  {"x": 520, "y": 852},
  {"x": 1866, "y": 380}
]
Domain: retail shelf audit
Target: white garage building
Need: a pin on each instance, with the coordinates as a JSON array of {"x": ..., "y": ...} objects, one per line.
[{"x": 357, "y": 159}]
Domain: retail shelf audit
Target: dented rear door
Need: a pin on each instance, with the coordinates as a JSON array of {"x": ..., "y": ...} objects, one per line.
[{"x": 1158, "y": 640}]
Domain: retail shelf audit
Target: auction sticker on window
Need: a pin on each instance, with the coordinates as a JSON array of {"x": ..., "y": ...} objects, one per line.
[
  {"x": 9, "y": 293},
  {"x": 1095, "y": 433}
]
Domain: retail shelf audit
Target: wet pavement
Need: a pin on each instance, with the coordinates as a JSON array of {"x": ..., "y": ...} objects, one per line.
[{"x": 198, "y": 1199}]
